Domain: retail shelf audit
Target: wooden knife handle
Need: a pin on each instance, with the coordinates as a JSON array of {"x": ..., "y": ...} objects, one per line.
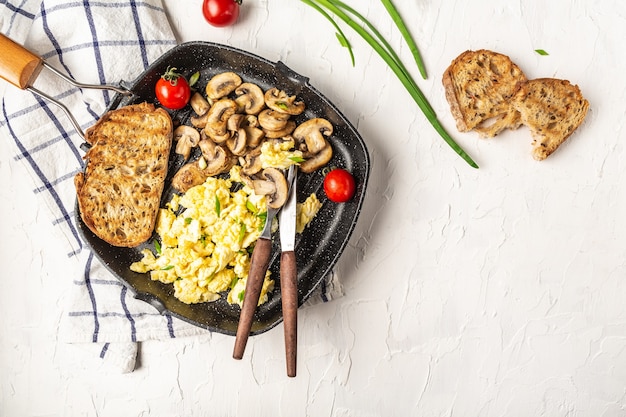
[
  {"x": 289, "y": 295},
  {"x": 258, "y": 266},
  {"x": 18, "y": 65}
]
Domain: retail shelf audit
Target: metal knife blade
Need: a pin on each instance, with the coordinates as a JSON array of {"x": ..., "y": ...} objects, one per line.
[{"x": 287, "y": 215}]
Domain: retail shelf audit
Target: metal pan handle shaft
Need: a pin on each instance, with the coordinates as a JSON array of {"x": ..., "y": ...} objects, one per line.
[{"x": 20, "y": 67}]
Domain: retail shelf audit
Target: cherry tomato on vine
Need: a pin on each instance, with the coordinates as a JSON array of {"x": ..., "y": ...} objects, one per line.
[
  {"x": 172, "y": 90},
  {"x": 221, "y": 13},
  {"x": 339, "y": 185}
]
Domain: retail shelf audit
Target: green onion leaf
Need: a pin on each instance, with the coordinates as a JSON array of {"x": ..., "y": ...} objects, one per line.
[
  {"x": 218, "y": 207},
  {"x": 157, "y": 246},
  {"x": 342, "y": 40},
  {"x": 297, "y": 159},
  {"x": 250, "y": 206},
  {"x": 242, "y": 231},
  {"x": 241, "y": 295},
  {"x": 167, "y": 268},
  {"x": 194, "y": 78},
  {"x": 541, "y": 52},
  {"x": 262, "y": 216},
  {"x": 188, "y": 220},
  {"x": 397, "y": 19},
  {"x": 332, "y": 21}
]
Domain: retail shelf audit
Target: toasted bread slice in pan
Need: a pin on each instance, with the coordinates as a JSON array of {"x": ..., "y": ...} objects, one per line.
[{"x": 120, "y": 190}]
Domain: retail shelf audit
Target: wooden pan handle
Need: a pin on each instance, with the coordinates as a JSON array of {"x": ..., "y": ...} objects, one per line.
[
  {"x": 18, "y": 65},
  {"x": 289, "y": 295}
]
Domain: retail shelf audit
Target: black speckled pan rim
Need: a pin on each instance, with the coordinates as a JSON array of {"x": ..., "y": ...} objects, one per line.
[{"x": 317, "y": 250}]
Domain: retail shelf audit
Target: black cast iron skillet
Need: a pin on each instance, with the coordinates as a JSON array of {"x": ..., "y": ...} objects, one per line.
[{"x": 317, "y": 249}]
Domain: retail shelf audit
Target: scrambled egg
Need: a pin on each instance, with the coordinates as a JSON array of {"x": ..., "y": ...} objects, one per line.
[
  {"x": 306, "y": 211},
  {"x": 279, "y": 153},
  {"x": 205, "y": 248},
  {"x": 207, "y": 236}
]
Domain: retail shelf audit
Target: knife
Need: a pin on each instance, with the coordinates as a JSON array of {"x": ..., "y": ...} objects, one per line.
[
  {"x": 259, "y": 263},
  {"x": 288, "y": 273}
]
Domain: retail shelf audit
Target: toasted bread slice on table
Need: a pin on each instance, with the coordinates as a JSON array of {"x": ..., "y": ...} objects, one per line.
[
  {"x": 478, "y": 87},
  {"x": 552, "y": 109},
  {"x": 120, "y": 190}
]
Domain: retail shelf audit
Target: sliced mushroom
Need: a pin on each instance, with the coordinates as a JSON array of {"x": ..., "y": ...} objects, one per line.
[
  {"x": 252, "y": 163},
  {"x": 200, "y": 121},
  {"x": 235, "y": 121},
  {"x": 207, "y": 146},
  {"x": 318, "y": 160},
  {"x": 273, "y": 186},
  {"x": 278, "y": 100},
  {"x": 188, "y": 176},
  {"x": 186, "y": 139},
  {"x": 199, "y": 104},
  {"x": 275, "y": 134},
  {"x": 312, "y": 132},
  {"x": 237, "y": 142},
  {"x": 195, "y": 173},
  {"x": 272, "y": 120},
  {"x": 250, "y": 98},
  {"x": 251, "y": 120},
  {"x": 254, "y": 135},
  {"x": 221, "y": 139},
  {"x": 263, "y": 187},
  {"x": 219, "y": 163},
  {"x": 222, "y": 85},
  {"x": 217, "y": 118},
  {"x": 201, "y": 107},
  {"x": 247, "y": 180}
]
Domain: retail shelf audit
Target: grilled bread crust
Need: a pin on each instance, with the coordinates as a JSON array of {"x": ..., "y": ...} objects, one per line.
[
  {"x": 552, "y": 109},
  {"x": 478, "y": 87},
  {"x": 120, "y": 190}
]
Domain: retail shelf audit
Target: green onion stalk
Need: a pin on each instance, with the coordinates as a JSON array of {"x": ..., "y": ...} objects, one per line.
[{"x": 384, "y": 50}]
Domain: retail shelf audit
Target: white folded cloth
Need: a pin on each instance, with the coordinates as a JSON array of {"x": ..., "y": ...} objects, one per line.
[{"x": 94, "y": 42}]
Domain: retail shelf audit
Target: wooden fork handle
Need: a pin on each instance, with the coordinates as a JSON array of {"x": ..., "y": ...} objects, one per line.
[
  {"x": 254, "y": 284},
  {"x": 18, "y": 65}
]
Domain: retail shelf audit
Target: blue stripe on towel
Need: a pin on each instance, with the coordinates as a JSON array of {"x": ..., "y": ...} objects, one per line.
[
  {"x": 144, "y": 56},
  {"x": 129, "y": 316}
]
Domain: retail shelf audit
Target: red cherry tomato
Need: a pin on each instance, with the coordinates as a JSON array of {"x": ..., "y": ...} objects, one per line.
[
  {"x": 221, "y": 13},
  {"x": 172, "y": 90},
  {"x": 339, "y": 185}
]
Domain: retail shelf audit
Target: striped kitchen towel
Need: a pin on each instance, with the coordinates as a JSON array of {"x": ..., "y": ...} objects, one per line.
[{"x": 94, "y": 42}]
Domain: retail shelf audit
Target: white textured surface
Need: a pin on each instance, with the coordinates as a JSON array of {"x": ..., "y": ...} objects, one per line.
[{"x": 487, "y": 292}]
